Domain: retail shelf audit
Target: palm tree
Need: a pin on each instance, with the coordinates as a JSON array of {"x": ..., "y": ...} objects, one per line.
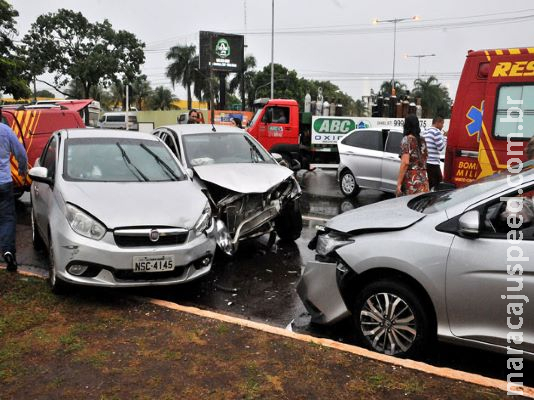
[
  {"x": 141, "y": 91},
  {"x": 181, "y": 69},
  {"x": 161, "y": 98},
  {"x": 249, "y": 74},
  {"x": 400, "y": 88},
  {"x": 117, "y": 94},
  {"x": 434, "y": 96}
]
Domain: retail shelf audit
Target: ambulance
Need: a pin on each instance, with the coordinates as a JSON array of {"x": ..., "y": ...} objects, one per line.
[
  {"x": 493, "y": 114},
  {"x": 34, "y": 125}
]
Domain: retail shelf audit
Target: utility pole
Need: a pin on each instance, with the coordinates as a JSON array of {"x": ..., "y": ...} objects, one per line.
[{"x": 272, "y": 53}]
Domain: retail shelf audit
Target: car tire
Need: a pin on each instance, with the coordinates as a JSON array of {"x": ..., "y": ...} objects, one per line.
[
  {"x": 378, "y": 331},
  {"x": 347, "y": 184},
  {"x": 37, "y": 239},
  {"x": 288, "y": 225},
  {"x": 57, "y": 285}
]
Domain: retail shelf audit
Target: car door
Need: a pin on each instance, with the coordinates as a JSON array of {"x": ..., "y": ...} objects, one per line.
[
  {"x": 391, "y": 161},
  {"x": 362, "y": 152},
  {"x": 42, "y": 192},
  {"x": 480, "y": 273}
]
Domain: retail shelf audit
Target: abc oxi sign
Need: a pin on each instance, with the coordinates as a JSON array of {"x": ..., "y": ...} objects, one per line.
[{"x": 328, "y": 130}]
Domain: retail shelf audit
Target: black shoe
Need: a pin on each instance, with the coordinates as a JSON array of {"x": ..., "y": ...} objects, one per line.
[{"x": 10, "y": 261}]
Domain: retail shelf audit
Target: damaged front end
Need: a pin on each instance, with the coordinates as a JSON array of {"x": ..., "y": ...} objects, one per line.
[{"x": 242, "y": 216}]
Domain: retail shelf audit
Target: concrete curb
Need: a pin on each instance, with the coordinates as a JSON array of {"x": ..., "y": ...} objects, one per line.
[{"x": 414, "y": 365}]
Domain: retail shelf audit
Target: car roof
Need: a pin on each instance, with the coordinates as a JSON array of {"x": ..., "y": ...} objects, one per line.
[
  {"x": 190, "y": 129},
  {"x": 108, "y": 133}
]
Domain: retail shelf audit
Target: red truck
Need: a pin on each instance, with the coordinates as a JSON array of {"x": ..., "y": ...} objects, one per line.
[
  {"x": 493, "y": 114},
  {"x": 33, "y": 125},
  {"x": 281, "y": 128}
]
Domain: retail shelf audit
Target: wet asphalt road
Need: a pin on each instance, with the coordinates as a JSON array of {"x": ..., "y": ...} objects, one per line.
[{"x": 259, "y": 282}]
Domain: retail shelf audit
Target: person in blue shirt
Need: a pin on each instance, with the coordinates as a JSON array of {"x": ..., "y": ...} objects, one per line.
[{"x": 9, "y": 145}]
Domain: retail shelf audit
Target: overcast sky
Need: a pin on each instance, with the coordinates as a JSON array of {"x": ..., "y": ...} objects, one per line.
[{"x": 320, "y": 39}]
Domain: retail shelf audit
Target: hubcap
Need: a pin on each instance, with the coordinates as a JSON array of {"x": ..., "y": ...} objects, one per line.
[
  {"x": 388, "y": 323},
  {"x": 347, "y": 183}
]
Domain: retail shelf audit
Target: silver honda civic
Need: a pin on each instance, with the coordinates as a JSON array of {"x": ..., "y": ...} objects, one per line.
[
  {"x": 115, "y": 208},
  {"x": 456, "y": 265}
]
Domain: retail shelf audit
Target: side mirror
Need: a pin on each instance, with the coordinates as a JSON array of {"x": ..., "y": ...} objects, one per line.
[
  {"x": 278, "y": 157},
  {"x": 40, "y": 174},
  {"x": 469, "y": 224}
]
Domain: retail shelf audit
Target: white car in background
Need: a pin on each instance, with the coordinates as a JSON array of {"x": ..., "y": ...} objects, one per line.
[{"x": 369, "y": 159}]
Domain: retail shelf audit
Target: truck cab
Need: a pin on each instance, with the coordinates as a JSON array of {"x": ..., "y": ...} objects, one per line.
[{"x": 276, "y": 123}]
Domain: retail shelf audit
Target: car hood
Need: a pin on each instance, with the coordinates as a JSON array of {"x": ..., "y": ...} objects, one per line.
[
  {"x": 386, "y": 215},
  {"x": 244, "y": 178},
  {"x": 129, "y": 204}
]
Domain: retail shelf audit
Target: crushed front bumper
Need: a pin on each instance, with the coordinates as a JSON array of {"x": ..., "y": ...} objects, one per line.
[{"x": 319, "y": 291}]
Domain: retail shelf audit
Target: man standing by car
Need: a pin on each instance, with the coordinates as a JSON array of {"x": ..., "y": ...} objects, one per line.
[
  {"x": 9, "y": 144},
  {"x": 435, "y": 143}
]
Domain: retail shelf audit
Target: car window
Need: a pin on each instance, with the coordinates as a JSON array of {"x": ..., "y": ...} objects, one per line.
[
  {"x": 220, "y": 148},
  {"x": 50, "y": 157},
  {"x": 119, "y": 160},
  {"x": 498, "y": 217},
  {"x": 171, "y": 142},
  {"x": 512, "y": 126},
  {"x": 366, "y": 139},
  {"x": 276, "y": 115},
  {"x": 393, "y": 142}
]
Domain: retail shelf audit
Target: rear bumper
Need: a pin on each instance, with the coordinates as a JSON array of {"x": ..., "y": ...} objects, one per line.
[{"x": 319, "y": 291}]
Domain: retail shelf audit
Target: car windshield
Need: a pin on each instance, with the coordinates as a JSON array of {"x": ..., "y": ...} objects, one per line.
[
  {"x": 432, "y": 202},
  {"x": 119, "y": 160},
  {"x": 221, "y": 148}
]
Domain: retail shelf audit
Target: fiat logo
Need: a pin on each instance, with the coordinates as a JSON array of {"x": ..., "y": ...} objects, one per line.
[{"x": 154, "y": 235}]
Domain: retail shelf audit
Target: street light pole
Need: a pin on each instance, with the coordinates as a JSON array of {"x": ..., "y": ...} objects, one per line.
[
  {"x": 394, "y": 21},
  {"x": 272, "y": 53},
  {"x": 419, "y": 56}
]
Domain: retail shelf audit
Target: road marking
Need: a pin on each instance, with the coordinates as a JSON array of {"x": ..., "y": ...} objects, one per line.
[{"x": 359, "y": 351}]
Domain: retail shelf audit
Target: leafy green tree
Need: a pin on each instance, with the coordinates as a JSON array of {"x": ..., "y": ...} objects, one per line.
[
  {"x": 435, "y": 98},
  {"x": 67, "y": 45},
  {"x": 161, "y": 99},
  {"x": 12, "y": 78},
  {"x": 44, "y": 93},
  {"x": 183, "y": 67}
]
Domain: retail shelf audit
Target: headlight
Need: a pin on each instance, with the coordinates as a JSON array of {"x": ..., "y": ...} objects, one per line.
[
  {"x": 296, "y": 191},
  {"x": 204, "y": 222},
  {"x": 328, "y": 242},
  {"x": 83, "y": 224}
]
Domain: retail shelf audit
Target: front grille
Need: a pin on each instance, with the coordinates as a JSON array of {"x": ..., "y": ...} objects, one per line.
[
  {"x": 129, "y": 275},
  {"x": 141, "y": 237}
]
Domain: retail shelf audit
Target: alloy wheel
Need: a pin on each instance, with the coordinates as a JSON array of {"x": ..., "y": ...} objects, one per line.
[
  {"x": 348, "y": 183},
  {"x": 388, "y": 323}
]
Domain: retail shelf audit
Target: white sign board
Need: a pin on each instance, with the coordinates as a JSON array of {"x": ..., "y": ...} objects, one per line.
[{"x": 328, "y": 130}]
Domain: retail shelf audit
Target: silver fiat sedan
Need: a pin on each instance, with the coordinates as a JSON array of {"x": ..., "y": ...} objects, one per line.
[{"x": 115, "y": 208}]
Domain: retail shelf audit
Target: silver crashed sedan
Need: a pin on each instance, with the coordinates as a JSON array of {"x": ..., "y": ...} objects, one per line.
[
  {"x": 115, "y": 209},
  {"x": 249, "y": 192},
  {"x": 452, "y": 264}
]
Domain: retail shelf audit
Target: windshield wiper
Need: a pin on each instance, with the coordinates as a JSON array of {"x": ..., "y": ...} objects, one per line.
[
  {"x": 168, "y": 170},
  {"x": 135, "y": 171}
]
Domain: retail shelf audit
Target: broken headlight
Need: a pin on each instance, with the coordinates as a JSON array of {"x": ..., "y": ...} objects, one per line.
[
  {"x": 205, "y": 220},
  {"x": 329, "y": 241}
]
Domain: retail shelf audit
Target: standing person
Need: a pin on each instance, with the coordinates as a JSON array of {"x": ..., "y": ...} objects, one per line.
[
  {"x": 435, "y": 144},
  {"x": 412, "y": 174},
  {"x": 237, "y": 122},
  {"x": 9, "y": 144},
  {"x": 194, "y": 117}
]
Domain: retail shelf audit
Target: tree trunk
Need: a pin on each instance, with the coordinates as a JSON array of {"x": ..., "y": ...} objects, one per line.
[
  {"x": 189, "y": 99},
  {"x": 86, "y": 89}
]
